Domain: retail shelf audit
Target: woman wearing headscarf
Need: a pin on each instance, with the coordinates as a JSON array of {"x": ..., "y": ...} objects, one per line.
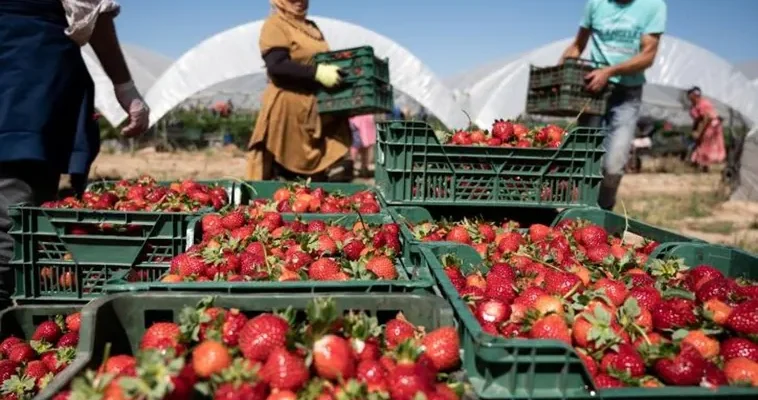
[
  {"x": 47, "y": 99},
  {"x": 290, "y": 138},
  {"x": 708, "y": 131}
]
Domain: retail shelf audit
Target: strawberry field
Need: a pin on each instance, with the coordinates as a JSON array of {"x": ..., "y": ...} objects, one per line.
[{"x": 455, "y": 277}]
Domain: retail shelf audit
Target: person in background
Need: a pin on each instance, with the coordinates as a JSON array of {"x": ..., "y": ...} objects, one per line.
[
  {"x": 624, "y": 36},
  {"x": 364, "y": 138},
  {"x": 46, "y": 90},
  {"x": 291, "y": 139},
  {"x": 708, "y": 132},
  {"x": 396, "y": 114}
]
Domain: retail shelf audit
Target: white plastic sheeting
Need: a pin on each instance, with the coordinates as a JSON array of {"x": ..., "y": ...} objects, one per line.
[
  {"x": 680, "y": 64},
  {"x": 235, "y": 53},
  {"x": 145, "y": 67}
]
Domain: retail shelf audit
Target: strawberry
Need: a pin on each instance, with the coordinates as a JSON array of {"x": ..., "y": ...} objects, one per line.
[
  {"x": 209, "y": 358},
  {"x": 233, "y": 323},
  {"x": 284, "y": 370},
  {"x": 744, "y": 318},
  {"x": 397, "y": 331},
  {"x": 211, "y": 224},
  {"x": 261, "y": 335},
  {"x": 717, "y": 288},
  {"x": 333, "y": 358},
  {"x": 36, "y": 370},
  {"x": 647, "y": 296},
  {"x": 598, "y": 253},
  {"x": 674, "y": 313},
  {"x": 323, "y": 269},
  {"x": 684, "y": 369},
  {"x": 603, "y": 381},
  {"x": 696, "y": 277},
  {"x": 316, "y": 226},
  {"x": 325, "y": 246},
  {"x": 500, "y": 287},
  {"x": 561, "y": 283},
  {"x": 21, "y": 353},
  {"x": 369, "y": 208},
  {"x": 241, "y": 391},
  {"x": 456, "y": 277},
  {"x": 121, "y": 365},
  {"x": 538, "y": 232},
  {"x": 458, "y": 234},
  {"x": 741, "y": 371},
  {"x": 353, "y": 249},
  {"x": 493, "y": 311},
  {"x": 708, "y": 347},
  {"x": 442, "y": 347},
  {"x": 57, "y": 360},
  {"x": 409, "y": 377},
  {"x": 371, "y": 372},
  {"x": 162, "y": 335},
  {"x": 614, "y": 290},
  {"x": 591, "y": 235},
  {"x": 747, "y": 291},
  {"x": 588, "y": 361},
  {"x": 382, "y": 267},
  {"x": 714, "y": 376},
  {"x": 625, "y": 359},
  {"x": 233, "y": 220},
  {"x": 8, "y": 343},
  {"x": 510, "y": 242},
  {"x": 739, "y": 347},
  {"x": 73, "y": 321},
  {"x": 48, "y": 331},
  {"x": 552, "y": 327},
  {"x": 70, "y": 339},
  {"x": 191, "y": 266},
  {"x": 7, "y": 369}
]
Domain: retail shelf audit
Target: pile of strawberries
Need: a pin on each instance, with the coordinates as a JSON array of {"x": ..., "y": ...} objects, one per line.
[
  {"x": 27, "y": 366},
  {"x": 145, "y": 194},
  {"x": 509, "y": 134},
  {"x": 301, "y": 198},
  {"x": 249, "y": 245},
  {"x": 223, "y": 354},
  {"x": 632, "y": 322}
]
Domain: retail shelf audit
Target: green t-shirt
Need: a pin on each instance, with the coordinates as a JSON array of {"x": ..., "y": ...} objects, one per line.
[{"x": 617, "y": 30}]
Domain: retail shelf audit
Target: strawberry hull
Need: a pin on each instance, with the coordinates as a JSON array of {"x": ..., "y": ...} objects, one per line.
[
  {"x": 523, "y": 368},
  {"x": 122, "y": 320}
]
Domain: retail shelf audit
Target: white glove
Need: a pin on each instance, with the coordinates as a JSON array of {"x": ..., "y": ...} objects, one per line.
[
  {"x": 328, "y": 75},
  {"x": 139, "y": 113}
]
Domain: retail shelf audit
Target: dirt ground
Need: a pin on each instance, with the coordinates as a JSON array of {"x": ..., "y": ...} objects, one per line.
[{"x": 666, "y": 194}]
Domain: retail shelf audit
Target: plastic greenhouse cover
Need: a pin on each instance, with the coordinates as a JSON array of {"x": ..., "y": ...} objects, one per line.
[
  {"x": 679, "y": 64},
  {"x": 234, "y": 53}
]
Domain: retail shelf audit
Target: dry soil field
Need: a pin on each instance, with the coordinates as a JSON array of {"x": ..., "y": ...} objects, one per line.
[{"x": 666, "y": 194}]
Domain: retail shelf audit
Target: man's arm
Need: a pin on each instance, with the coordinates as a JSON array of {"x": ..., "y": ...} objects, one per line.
[
  {"x": 108, "y": 50},
  {"x": 643, "y": 60},
  {"x": 576, "y": 48}
]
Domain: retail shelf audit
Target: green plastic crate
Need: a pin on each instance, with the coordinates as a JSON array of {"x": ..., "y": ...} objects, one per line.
[
  {"x": 405, "y": 282},
  {"x": 571, "y": 72},
  {"x": 364, "y": 96},
  {"x": 414, "y": 168},
  {"x": 357, "y": 63},
  {"x": 500, "y": 368},
  {"x": 53, "y": 263},
  {"x": 122, "y": 319},
  {"x": 246, "y": 192},
  {"x": 566, "y": 101}
]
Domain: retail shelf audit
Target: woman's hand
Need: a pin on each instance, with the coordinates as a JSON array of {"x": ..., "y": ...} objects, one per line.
[
  {"x": 328, "y": 75},
  {"x": 139, "y": 113}
]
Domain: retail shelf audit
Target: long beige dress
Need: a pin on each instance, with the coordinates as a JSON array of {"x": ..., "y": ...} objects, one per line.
[{"x": 289, "y": 129}]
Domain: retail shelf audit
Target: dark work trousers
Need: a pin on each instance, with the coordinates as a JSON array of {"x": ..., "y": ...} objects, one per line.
[{"x": 20, "y": 182}]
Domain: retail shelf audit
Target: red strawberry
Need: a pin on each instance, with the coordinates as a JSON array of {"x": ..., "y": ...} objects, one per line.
[
  {"x": 316, "y": 226},
  {"x": 7, "y": 369},
  {"x": 598, "y": 253},
  {"x": 325, "y": 246},
  {"x": 36, "y": 370},
  {"x": 487, "y": 232},
  {"x": 739, "y": 347},
  {"x": 241, "y": 391},
  {"x": 234, "y": 321},
  {"x": 191, "y": 266},
  {"x": 561, "y": 283},
  {"x": 70, "y": 339},
  {"x": 493, "y": 311},
  {"x": 627, "y": 359},
  {"x": 552, "y": 327},
  {"x": 73, "y": 321},
  {"x": 333, "y": 358},
  {"x": 456, "y": 277},
  {"x": 382, "y": 267},
  {"x": 685, "y": 369},
  {"x": 261, "y": 335},
  {"x": 442, "y": 348},
  {"x": 8, "y": 343},
  {"x": 603, "y": 381},
  {"x": 716, "y": 288},
  {"x": 353, "y": 249},
  {"x": 701, "y": 274},
  {"x": 371, "y": 371},
  {"x": 744, "y": 318},
  {"x": 748, "y": 291},
  {"x": 121, "y": 365},
  {"x": 674, "y": 313},
  {"x": 284, "y": 370},
  {"x": 233, "y": 220},
  {"x": 323, "y": 269},
  {"x": 49, "y": 331},
  {"x": 538, "y": 232},
  {"x": 510, "y": 242},
  {"x": 714, "y": 376},
  {"x": 458, "y": 234},
  {"x": 500, "y": 287},
  {"x": 614, "y": 290},
  {"x": 369, "y": 208},
  {"x": 647, "y": 296},
  {"x": 58, "y": 359},
  {"x": 211, "y": 223},
  {"x": 408, "y": 379},
  {"x": 397, "y": 331},
  {"x": 162, "y": 335},
  {"x": 591, "y": 235},
  {"x": 22, "y": 352}
]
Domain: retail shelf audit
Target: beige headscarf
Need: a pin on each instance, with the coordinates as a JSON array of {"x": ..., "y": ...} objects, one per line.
[{"x": 296, "y": 17}]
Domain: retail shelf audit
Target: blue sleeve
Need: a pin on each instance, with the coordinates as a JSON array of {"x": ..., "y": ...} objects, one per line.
[
  {"x": 586, "y": 21},
  {"x": 657, "y": 21}
]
